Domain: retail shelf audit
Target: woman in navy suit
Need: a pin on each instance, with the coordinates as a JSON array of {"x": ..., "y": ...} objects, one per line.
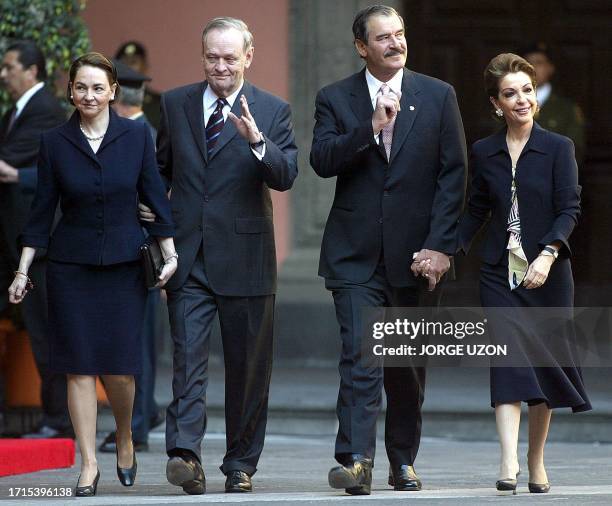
[
  {"x": 97, "y": 165},
  {"x": 525, "y": 184}
]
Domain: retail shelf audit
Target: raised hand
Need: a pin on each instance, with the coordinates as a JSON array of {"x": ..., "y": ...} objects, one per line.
[{"x": 246, "y": 125}]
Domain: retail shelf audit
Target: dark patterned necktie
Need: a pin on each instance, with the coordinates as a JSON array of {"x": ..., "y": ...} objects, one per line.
[{"x": 215, "y": 125}]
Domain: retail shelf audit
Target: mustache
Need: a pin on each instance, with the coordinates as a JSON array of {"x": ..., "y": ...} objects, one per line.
[{"x": 394, "y": 52}]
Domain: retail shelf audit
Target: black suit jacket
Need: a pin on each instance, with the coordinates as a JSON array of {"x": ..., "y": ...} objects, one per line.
[
  {"x": 547, "y": 191},
  {"x": 19, "y": 148},
  {"x": 98, "y": 194},
  {"x": 413, "y": 201},
  {"x": 222, "y": 203}
]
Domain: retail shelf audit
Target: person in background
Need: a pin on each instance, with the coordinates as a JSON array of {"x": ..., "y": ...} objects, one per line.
[
  {"x": 557, "y": 113},
  {"x": 146, "y": 415},
  {"x": 23, "y": 74},
  {"x": 97, "y": 165},
  {"x": 134, "y": 55}
]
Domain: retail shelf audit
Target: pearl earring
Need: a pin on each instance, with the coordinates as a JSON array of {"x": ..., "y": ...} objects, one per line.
[{"x": 499, "y": 112}]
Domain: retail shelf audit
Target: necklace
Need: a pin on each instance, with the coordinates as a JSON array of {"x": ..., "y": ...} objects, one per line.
[{"x": 92, "y": 139}]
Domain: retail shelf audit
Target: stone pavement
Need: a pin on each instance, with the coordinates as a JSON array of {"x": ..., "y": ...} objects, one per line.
[
  {"x": 293, "y": 470},
  {"x": 457, "y": 462}
]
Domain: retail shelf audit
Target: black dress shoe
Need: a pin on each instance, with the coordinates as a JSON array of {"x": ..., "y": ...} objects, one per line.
[
  {"x": 238, "y": 481},
  {"x": 187, "y": 473},
  {"x": 355, "y": 477},
  {"x": 127, "y": 475},
  {"x": 538, "y": 488},
  {"x": 109, "y": 445},
  {"x": 87, "y": 490},
  {"x": 404, "y": 477}
]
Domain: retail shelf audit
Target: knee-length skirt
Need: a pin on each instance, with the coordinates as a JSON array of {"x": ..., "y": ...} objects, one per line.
[
  {"x": 558, "y": 387},
  {"x": 95, "y": 318}
]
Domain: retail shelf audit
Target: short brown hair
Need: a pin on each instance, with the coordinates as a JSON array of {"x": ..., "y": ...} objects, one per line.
[
  {"x": 500, "y": 66},
  {"x": 97, "y": 60}
]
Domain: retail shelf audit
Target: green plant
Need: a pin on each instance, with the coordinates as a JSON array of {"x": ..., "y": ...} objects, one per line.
[{"x": 55, "y": 25}]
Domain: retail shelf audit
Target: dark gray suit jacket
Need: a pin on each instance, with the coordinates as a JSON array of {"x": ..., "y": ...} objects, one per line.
[
  {"x": 399, "y": 206},
  {"x": 223, "y": 202}
]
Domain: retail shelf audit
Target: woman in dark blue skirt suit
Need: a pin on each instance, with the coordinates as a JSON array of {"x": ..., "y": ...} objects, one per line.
[
  {"x": 97, "y": 166},
  {"x": 525, "y": 184}
]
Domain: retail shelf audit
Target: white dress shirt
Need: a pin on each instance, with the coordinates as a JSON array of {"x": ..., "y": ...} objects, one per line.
[
  {"x": 394, "y": 84},
  {"x": 25, "y": 98},
  {"x": 210, "y": 104}
]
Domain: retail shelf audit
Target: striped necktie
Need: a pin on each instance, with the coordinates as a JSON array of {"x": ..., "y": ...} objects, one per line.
[{"x": 215, "y": 125}]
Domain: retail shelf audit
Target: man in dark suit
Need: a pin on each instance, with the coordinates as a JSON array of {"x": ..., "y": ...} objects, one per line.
[
  {"x": 219, "y": 173},
  {"x": 36, "y": 110},
  {"x": 394, "y": 140}
]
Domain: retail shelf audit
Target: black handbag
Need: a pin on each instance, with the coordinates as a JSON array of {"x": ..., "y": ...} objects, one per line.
[{"x": 152, "y": 262}]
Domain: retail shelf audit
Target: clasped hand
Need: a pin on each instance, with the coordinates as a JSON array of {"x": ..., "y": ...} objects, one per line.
[{"x": 430, "y": 264}]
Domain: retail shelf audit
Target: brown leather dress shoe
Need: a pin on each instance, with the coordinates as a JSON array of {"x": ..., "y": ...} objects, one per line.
[
  {"x": 355, "y": 477},
  {"x": 404, "y": 477},
  {"x": 238, "y": 481},
  {"x": 186, "y": 473}
]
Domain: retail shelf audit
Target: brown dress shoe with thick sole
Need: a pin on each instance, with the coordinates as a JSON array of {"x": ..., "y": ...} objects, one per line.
[{"x": 187, "y": 474}]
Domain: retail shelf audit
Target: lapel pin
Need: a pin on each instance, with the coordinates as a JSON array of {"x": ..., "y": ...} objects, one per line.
[{"x": 411, "y": 108}]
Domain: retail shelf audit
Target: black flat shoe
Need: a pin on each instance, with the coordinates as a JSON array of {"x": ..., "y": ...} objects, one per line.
[
  {"x": 238, "y": 481},
  {"x": 404, "y": 478},
  {"x": 87, "y": 490},
  {"x": 355, "y": 477},
  {"x": 539, "y": 488},
  {"x": 127, "y": 475}
]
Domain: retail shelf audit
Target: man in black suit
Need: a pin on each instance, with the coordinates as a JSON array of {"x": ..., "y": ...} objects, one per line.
[
  {"x": 36, "y": 110},
  {"x": 222, "y": 144},
  {"x": 394, "y": 140}
]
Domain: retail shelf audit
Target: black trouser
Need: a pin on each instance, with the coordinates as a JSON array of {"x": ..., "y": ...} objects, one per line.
[
  {"x": 53, "y": 391},
  {"x": 246, "y": 332},
  {"x": 360, "y": 395}
]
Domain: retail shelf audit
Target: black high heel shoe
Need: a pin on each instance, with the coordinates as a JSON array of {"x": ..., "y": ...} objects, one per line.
[
  {"x": 127, "y": 475},
  {"x": 508, "y": 484},
  {"x": 538, "y": 488},
  {"x": 87, "y": 490}
]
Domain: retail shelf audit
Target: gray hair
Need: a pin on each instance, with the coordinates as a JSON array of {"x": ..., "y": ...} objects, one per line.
[
  {"x": 226, "y": 23},
  {"x": 132, "y": 96}
]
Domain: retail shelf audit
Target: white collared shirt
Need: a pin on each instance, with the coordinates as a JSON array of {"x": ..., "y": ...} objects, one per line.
[
  {"x": 25, "y": 98},
  {"x": 542, "y": 93},
  {"x": 394, "y": 84},
  {"x": 210, "y": 103}
]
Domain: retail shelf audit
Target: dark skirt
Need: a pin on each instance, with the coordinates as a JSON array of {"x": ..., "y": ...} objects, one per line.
[
  {"x": 558, "y": 387},
  {"x": 95, "y": 318}
]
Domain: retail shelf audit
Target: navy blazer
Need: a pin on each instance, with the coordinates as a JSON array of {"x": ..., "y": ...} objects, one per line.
[
  {"x": 399, "y": 206},
  {"x": 547, "y": 190},
  {"x": 98, "y": 194}
]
